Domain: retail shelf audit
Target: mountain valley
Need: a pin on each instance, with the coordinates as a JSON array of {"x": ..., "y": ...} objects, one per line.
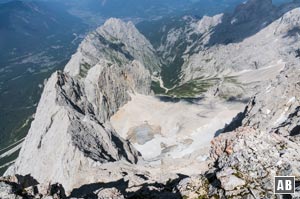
[
  {"x": 39, "y": 37},
  {"x": 197, "y": 107}
]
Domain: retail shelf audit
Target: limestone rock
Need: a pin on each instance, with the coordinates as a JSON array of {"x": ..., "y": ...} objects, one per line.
[
  {"x": 117, "y": 42},
  {"x": 68, "y": 137},
  {"x": 108, "y": 86},
  {"x": 71, "y": 131},
  {"x": 229, "y": 181},
  {"x": 6, "y": 191},
  {"x": 111, "y": 193},
  {"x": 275, "y": 109},
  {"x": 263, "y": 143},
  {"x": 194, "y": 187},
  {"x": 253, "y": 53},
  {"x": 17, "y": 187}
]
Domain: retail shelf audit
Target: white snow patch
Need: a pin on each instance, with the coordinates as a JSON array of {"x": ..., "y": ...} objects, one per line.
[
  {"x": 292, "y": 100},
  {"x": 186, "y": 128}
]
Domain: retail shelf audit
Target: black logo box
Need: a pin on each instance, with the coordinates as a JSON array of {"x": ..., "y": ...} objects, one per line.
[{"x": 284, "y": 185}]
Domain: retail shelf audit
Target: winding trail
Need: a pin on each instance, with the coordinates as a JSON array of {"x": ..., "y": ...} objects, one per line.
[
  {"x": 7, "y": 164},
  {"x": 161, "y": 84},
  {"x": 21, "y": 140},
  {"x": 11, "y": 151}
]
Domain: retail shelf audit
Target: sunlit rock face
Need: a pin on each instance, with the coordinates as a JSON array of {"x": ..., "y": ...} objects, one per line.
[
  {"x": 99, "y": 130},
  {"x": 117, "y": 42},
  {"x": 71, "y": 126}
]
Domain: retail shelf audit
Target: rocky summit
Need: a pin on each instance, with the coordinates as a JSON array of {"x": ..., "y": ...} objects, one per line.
[{"x": 109, "y": 127}]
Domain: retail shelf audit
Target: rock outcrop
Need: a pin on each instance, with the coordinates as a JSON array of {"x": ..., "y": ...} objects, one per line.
[
  {"x": 252, "y": 53},
  {"x": 15, "y": 187},
  {"x": 264, "y": 144},
  {"x": 67, "y": 135},
  {"x": 276, "y": 109},
  {"x": 108, "y": 86},
  {"x": 117, "y": 42},
  {"x": 71, "y": 130}
]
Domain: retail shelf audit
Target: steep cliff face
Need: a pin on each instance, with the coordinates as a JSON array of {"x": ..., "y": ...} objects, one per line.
[
  {"x": 117, "y": 42},
  {"x": 109, "y": 85},
  {"x": 252, "y": 53},
  {"x": 253, "y": 9},
  {"x": 67, "y": 135},
  {"x": 71, "y": 130},
  {"x": 113, "y": 61}
]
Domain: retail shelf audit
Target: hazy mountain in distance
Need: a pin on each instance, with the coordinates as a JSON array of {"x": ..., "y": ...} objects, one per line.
[
  {"x": 27, "y": 24},
  {"x": 95, "y": 12}
]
